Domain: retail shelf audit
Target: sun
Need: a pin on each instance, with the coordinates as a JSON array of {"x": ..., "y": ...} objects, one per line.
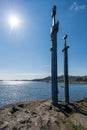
[{"x": 14, "y": 21}]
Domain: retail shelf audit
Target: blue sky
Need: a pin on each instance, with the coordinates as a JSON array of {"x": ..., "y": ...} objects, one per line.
[{"x": 25, "y": 50}]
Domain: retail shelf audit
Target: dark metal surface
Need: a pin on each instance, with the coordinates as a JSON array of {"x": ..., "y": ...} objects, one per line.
[
  {"x": 66, "y": 82},
  {"x": 54, "y": 31}
]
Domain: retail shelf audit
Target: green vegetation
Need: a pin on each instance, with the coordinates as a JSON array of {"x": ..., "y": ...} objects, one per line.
[{"x": 72, "y": 79}]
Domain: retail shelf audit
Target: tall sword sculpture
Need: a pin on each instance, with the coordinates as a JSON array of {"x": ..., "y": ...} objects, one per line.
[
  {"x": 66, "y": 82},
  {"x": 54, "y": 30}
]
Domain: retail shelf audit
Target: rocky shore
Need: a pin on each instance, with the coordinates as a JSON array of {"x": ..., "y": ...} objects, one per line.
[{"x": 42, "y": 115}]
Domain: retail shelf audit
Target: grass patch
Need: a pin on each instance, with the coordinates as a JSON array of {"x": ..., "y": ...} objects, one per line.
[
  {"x": 1, "y": 122},
  {"x": 73, "y": 127}
]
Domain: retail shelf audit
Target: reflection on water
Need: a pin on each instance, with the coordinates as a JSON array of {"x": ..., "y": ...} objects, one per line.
[
  {"x": 7, "y": 82},
  {"x": 15, "y": 91}
]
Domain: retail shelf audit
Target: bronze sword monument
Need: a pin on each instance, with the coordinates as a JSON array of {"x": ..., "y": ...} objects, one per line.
[
  {"x": 54, "y": 30},
  {"x": 66, "y": 82}
]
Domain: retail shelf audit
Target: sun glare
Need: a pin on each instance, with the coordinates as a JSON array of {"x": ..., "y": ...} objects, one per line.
[{"x": 14, "y": 21}]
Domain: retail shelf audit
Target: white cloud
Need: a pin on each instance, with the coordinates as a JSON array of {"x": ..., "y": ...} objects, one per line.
[
  {"x": 82, "y": 7},
  {"x": 77, "y": 7}
]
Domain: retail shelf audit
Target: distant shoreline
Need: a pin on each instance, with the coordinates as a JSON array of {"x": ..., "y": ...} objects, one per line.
[{"x": 72, "y": 79}]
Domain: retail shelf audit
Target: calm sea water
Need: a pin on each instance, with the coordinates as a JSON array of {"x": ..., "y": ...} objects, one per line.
[{"x": 15, "y": 91}]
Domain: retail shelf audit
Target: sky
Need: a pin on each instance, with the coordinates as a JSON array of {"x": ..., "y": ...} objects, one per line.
[{"x": 25, "y": 48}]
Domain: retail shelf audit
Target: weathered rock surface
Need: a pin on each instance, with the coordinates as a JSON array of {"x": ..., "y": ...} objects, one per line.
[{"x": 42, "y": 115}]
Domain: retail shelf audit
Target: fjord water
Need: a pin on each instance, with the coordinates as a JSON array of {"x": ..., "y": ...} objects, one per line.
[{"x": 15, "y": 91}]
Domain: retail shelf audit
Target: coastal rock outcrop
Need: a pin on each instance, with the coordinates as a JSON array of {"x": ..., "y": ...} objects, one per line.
[{"x": 42, "y": 115}]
